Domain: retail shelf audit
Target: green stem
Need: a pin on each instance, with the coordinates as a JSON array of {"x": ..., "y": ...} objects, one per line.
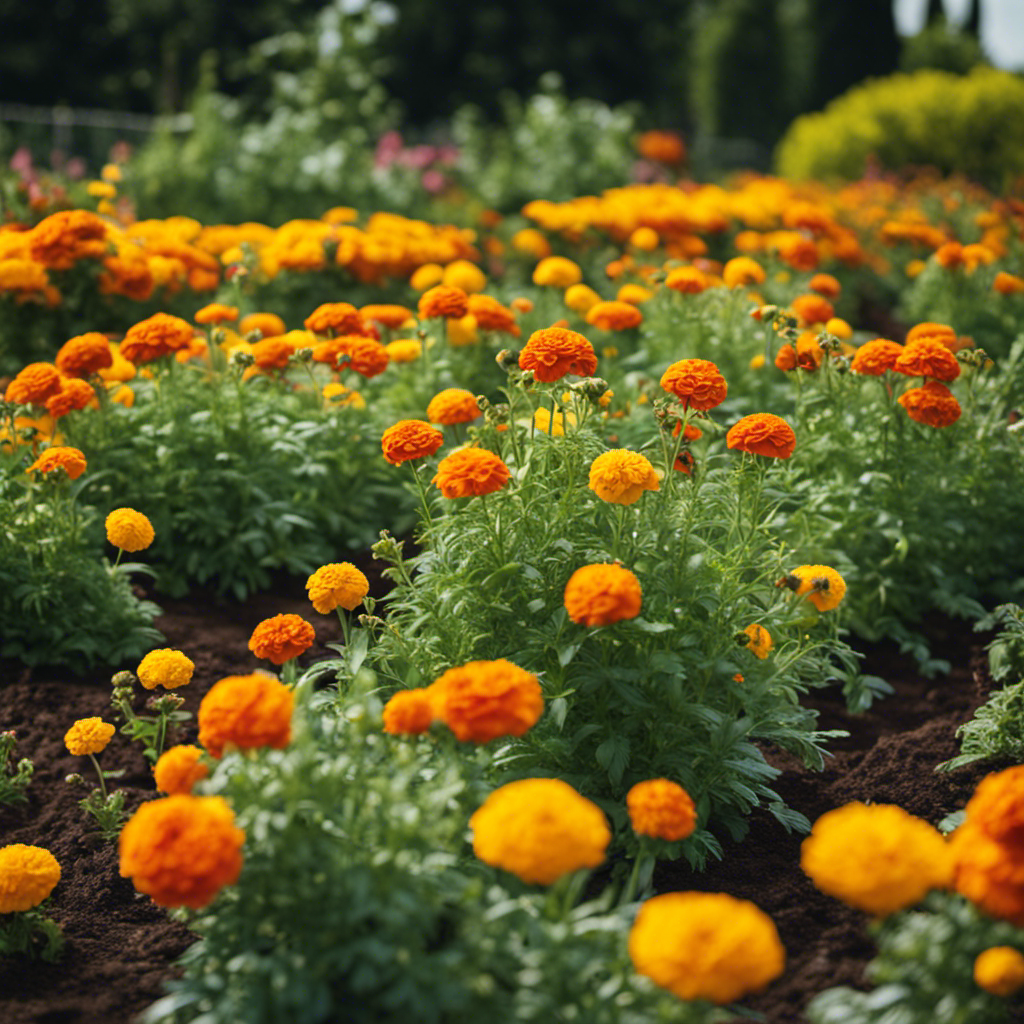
[{"x": 99, "y": 774}]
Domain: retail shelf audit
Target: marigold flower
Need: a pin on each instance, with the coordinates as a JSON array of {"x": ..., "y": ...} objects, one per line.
[
  {"x": 934, "y": 404},
  {"x": 365, "y": 356},
  {"x": 661, "y": 809},
  {"x": 812, "y": 309},
  {"x": 557, "y": 272},
  {"x": 34, "y": 384},
  {"x": 336, "y": 318},
  {"x": 483, "y": 700},
  {"x": 270, "y": 325},
  {"x": 59, "y": 458},
  {"x": 182, "y": 850},
  {"x": 157, "y": 336},
  {"x": 927, "y": 357},
  {"x": 443, "y": 301},
  {"x": 873, "y": 358},
  {"x": 621, "y": 476},
  {"x": 28, "y": 874},
  {"x": 453, "y": 405},
  {"x": 553, "y": 352},
  {"x": 941, "y": 332},
  {"x": 74, "y": 394},
  {"x": 246, "y": 711},
  {"x": 337, "y": 585},
  {"x": 697, "y": 383},
  {"x": 950, "y": 256},
  {"x": 88, "y": 736},
  {"x": 762, "y": 433},
  {"x": 840, "y": 328},
  {"x": 129, "y": 530},
  {"x": 408, "y": 713},
  {"x": 759, "y": 640},
  {"x": 281, "y": 638},
  {"x": 580, "y": 298},
  {"x": 539, "y": 830},
  {"x": 785, "y": 358},
  {"x": 491, "y": 315},
  {"x": 63, "y": 238},
  {"x": 464, "y": 275},
  {"x": 426, "y": 276},
  {"x": 821, "y": 584},
  {"x": 1000, "y": 970},
  {"x": 645, "y": 239},
  {"x": 462, "y": 331},
  {"x": 84, "y": 354},
  {"x": 165, "y": 667},
  {"x": 705, "y": 946},
  {"x": 877, "y": 858},
  {"x": 634, "y": 294},
  {"x": 687, "y": 280},
  {"x": 408, "y": 440},
  {"x": 178, "y": 769},
  {"x": 470, "y": 473},
  {"x": 614, "y": 316},
  {"x": 742, "y": 271},
  {"x": 216, "y": 313},
  {"x": 531, "y": 242},
  {"x": 387, "y": 315},
  {"x": 599, "y": 595},
  {"x": 553, "y": 426},
  {"x": 273, "y": 353},
  {"x": 825, "y": 284},
  {"x": 997, "y": 806},
  {"x": 989, "y": 873},
  {"x": 404, "y": 350},
  {"x": 662, "y": 147},
  {"x": 1008, "y": 284}
]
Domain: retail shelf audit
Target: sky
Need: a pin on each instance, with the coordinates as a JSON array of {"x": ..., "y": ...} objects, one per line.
[{"x": 1002, "y": 26}]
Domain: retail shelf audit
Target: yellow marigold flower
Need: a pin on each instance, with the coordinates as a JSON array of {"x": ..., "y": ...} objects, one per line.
[
  {"x": 530, "y": 242},
  {"x": 470, "y": 473},
  {"x": 270, "y": 325},
  {"x": 762, "y": 433},
  {"x": 840, "y": 328},
  {"x": 873, "y": 358},
  {"x": 165, "y": 667},
  {"x": 336, "y": 394},
  {"x": 621, "y": 476},
  {"x": 216, "y": 313},
  {"x": 246, "y": 711},
  {"x": 759, "y": 640},
  {"x": 742, "y": 271},
  {"x": 426, "y": 276},
  {"x": 337, "y": 585},
  {"x": 28, "y": 874},
  {"x": 821, "y": 585},
  {"x": 661, "y": 809},
  {"x": 1000, "y": 970},
  {"x": 178, "y": 769},
  {"x": 645, "y": 239},
  {"x": 599, "y": 595},
  {"x": 88, "y": 736},
  {"x": 85, "y": 354},
  {"x": 634, "y": 294},
  {"x": 483, "y": 700},
  {"x": 129, "y": 530},
  {"x": 408, "y": 440},
  {"x": 453, "y": 405},
  {"x": 404, "y": 350},
  {"x": 34, "y": 384},
  {"x": 703, "y": 945},
  {"x": 877, "y": 858},
  {"x": 933, "y": 404},
  {"x": 111, "y": 172},
  {"x": 465, "y": 275},
  {"x": 580, "y": 298},
  {"x": 182, "y": 850},
  {"x": 542, "y": 421},
  {"x": 539, "y": 830},
  {"x": 557, "y": 272},
  {"x": 281, "y": 638},
  {"x": 101, "y": 190},
  {"x": 408, "y": 713},
  {"x": 59, "y": 458},
  {"x": 120, "y": 370},
  {"x": 443, "y": 301},
  {"x": 614, "y": 316},
  {"x": 121, "y": 394},
  {"x": 553, "y": 352},
  {"x": 462, "y": 331},
  {"x": 697, "y": 383}
]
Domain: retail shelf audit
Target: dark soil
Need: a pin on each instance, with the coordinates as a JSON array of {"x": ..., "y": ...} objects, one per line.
[{"x": 121, "y": 948}]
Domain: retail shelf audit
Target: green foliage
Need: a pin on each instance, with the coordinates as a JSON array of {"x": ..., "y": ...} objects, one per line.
[
  {"x": 32, "y": 934},
  {"x": 14, "y": 778},
  {"x": 924, "y": 971},
  {"x": 940, "y": 47}
]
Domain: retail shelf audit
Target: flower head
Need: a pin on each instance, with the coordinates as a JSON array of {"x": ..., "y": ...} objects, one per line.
[
  {"x": 687, "y": 280},
  {"x": 387, "y": 315},
  {"x": 662, "y": 146},
  {"x": 557, "y": 272},
  {"x": 759, "y": 640},
  {"x": 697, "y": 383},
  {"x": 932, "y": 404},
  {"x": 453, "y": 405},
  {"x": 165, "y": 667},
  {"x": 820, "y": 584},
  {"x": 28, "y": 874},
  {"x": 88, "y": 736},
  {"x": 580, "y": 298},
  {"x": 273, "y": 353},
  {"x": 246, "y": 711},
  {"x": 742, "y": 271},
  {"x": 613, "y": 315},
  {"x": 702, "y": 945},
  {"x": 335, "y": 318},
  {"x": 927, "y": 357},
  {"x": 337, "y": 585},
  {"x": 444, "y": 301},
  {"x": 553, "y": 352},
  {"x": 365, "y": 356},
  {"x": 873, "y": 358},
  {"x": 34, "y": 384},
  {"x": 157, "y": 336},
  {"x": 270, "y": 325},
  {"x": 404, "y": 350},
  {"x": 483, "y": 700},
  {"x": 85, "y": 354},
  {"x": 539, "y": 830},
  {"x": 812, "y": 309},
  {"x": 762, "y": 433},
  {"x": 408, "y": 713},
  {"x": 129, "y": 530},
  {"x": 661, "y": 809},
  {"x": 216, "y": 313},
  {"x": 598, "y": 595},
  {"x": 1000, "y": 970},
  {"x": 178, "y": 769},
  {"x": 491, "y": 315},
  {"x": 281, "y": 638},
  {"x": 408, "y": 440},
  {"x": 182, "y": 850},
  {"x": 471, "y": 473},
  {"x": 621, "y": 476},
  {"x": 74, "y": 394},
  {"x": 464, "y": 275},
  {"x": 57, "y": 459}
]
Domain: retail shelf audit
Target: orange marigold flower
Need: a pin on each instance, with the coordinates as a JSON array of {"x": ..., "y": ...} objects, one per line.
[
  {"x": 950, "y": 255},
  {"x": 63, "y": 238},
  {"x": 825, "y": 284},
  {"x": 34, "y": 384},
  {"x": 553, "y": 352},
  {"x": 337, "y": 585},
  {"x": 491, "y": 315},
  {"x": 1000, "y": 970},
  {"x": 1008, "y": 284},
  {"x": 443, "y": 301},
  {"x": 408, "y": 440},
  {"x": 934, "y": 405},
  {"x": 365, "y": 356},
  {"x": 336, "y": 318},
  {"x": 762, "y": 433},
  {"x": 74, "y": 394},
  {"x": 539, "y": 830},
  {"x": 821, "y": 585},
  {"x": 84, "y": 354},
  {"x": 661, "y": 809},
  {"x": 165, "y": 667},
  {"x": 557, "y": 272},
  {"x": 408, "y": 713},
  {"x": 742, "y": 271},
  {"x": 273, "y": 353},
  {"x": 178, "y": 769},
  {"x": 812, "y": 309},
  {"x": 28, "y": 874},
  {"x": 621, "y": 476},
  {"x": 989, "y": 873},
  {"x": 798, "y": 252},
  {"x": 281, "y": 638},
  {"x": 614, "y": 316},
  {"x": 697, "y": 383},
  {"x": 927, "y": 357},
  {"x": 88, "y": 736},
  {"x": 470, "y": 473},
  {"x": 59, "y": 458},
  {"x": 270, "y": 325},
  {"x": 688, "y": 280},
  {"x": 662, "y": 147},
  {"x": 387, "y": 315},
  {"x": 182, "y": 850},
  {"x": 997, "y": 806},
  {"x": 129, "y": 530},
  {"x": 157, "y": 336},
  {"x": 759, "y": 640},
  {"x": 785, "y": 358},
  {"x": 216, "y": 313},
  {"x": 942, "y": 332},
  {"x": 598, "y": 595},
  {"x": 521, "y": 304},
  {"x": 247, "y": 712},
  {"x": 453, "y": 405},
  {"x": 482, "y": 700},
  {"x": 873, "y": 358}
]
